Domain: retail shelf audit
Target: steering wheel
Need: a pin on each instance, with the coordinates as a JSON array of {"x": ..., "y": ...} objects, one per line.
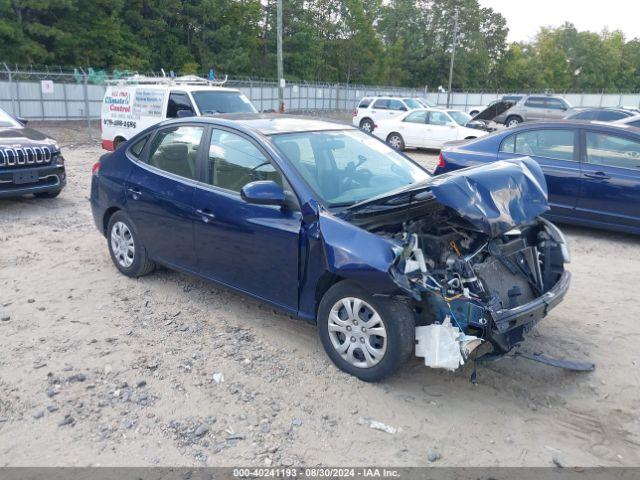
[{"x": 252, "y": 172}]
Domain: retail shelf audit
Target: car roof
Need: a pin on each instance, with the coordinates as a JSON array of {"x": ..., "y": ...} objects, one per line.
[
  {"x": 183, "y": 87},
  {"x": 269, "y": 123}
]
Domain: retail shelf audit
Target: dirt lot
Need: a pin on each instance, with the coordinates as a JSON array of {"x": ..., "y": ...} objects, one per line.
[{"x": 99, "y": 369}]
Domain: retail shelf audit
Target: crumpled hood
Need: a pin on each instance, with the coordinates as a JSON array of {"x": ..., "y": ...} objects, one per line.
[{"x": 495, "y": 197}]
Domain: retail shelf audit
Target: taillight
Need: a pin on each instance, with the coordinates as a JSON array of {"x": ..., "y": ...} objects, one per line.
[
  {"x": 441, "y": 162},
  {"x": 355, "y": 113},
  {"x": 95, "y": 168}
]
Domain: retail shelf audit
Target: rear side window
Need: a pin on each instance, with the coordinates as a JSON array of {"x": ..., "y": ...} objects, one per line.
[
  {"x": 178, "y": 101},
  {"x": 554, "y": 144},
  {"x": 613, "y": 151},
  {"x": 381, "y": 104},
  {"x": 635, "y": 124},
  {"x": 555, "y": 104},
  {"x": 234, "y": 161},
  {"x": 364, "y": 103},
  {"x": 610, "y": 115},
  {"x": 136, "y": 148},
  {"x": 535, "y": 102},
  {"x": 417, "y": 117},
  {"x": 175, "y": 150}
]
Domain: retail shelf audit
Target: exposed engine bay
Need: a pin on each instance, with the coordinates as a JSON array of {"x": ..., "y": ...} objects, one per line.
[{"x": 460, "y": 281}]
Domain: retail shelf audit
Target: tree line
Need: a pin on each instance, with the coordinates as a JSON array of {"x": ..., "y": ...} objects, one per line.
[{"x": 395, "y": 42}]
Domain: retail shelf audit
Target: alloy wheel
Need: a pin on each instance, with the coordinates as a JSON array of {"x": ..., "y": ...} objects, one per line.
[
  {"x": 395, "y": 142},
  {"x": 122, "y": 244},
  {"x": 357, "y": 332}
]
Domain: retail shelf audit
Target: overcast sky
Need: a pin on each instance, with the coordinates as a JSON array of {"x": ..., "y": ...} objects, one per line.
[{"x": 525, "y": 17}]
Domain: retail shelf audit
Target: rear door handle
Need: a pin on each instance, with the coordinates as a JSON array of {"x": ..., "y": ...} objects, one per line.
[
  {"x": 135, "y": 193},
  {"x": 598, "y": 176},
  {"x": 206, "y": 215}
]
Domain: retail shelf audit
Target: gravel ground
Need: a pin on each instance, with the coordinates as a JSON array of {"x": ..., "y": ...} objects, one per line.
[{"x": 100, "y": 369}]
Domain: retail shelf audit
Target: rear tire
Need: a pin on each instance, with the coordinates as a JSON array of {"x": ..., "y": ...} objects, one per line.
[
  {"x": 348, "y": 335},
  {"x": 396, "y": 141},
  {"x": 366, "y": 125},
  {"x": 473, "y": 113},
  {"x": 513, "y": 121},
  {"x": 117, "y": 142},
  {"x": 125, "y": 247}
]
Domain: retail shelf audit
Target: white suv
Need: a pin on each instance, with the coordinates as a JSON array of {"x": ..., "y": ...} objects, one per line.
[{"x": 372, "y": 109}]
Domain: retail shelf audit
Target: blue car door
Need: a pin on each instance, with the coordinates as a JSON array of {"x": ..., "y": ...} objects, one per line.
[
  {"x": 611, "y": 179},
  {"x": 160, "y": 194},
  {"x": 254, "y": 248},
  {"x": 557, "y": 153}
]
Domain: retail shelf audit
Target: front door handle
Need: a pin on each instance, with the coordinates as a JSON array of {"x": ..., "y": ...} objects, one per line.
[
  {"x": 597, "y": 175},
  {"x": 206, "y": 215},
  {"x": 135, "y": 193}
]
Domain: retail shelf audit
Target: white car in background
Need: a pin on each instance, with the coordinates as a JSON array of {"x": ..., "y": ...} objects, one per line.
[
  {"x": 371, "y": 110},
  {"x": 426, "y": 128}
]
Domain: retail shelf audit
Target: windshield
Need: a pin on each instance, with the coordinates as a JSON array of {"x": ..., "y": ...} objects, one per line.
[
  {"x": 7, "y": 120},
  {"x": 347, "y": 166},
  {"x": 459, "y": 117},
  {"x": 211, "y": 101},
  {"x": 412, "y": 103}
]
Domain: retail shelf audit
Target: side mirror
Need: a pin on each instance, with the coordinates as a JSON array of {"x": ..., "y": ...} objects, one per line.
[
  {"x": 22, "y": 120},
  {"x": 263, "y": 192},
  {"x": 185, "y": 113}
]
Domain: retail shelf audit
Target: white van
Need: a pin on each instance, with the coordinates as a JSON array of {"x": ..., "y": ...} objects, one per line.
[{"x": 133, "y": 104}]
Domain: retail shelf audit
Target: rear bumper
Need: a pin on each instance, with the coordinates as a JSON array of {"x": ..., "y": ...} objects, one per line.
[
  {"x": 51, "y": 178},
  {"x": 509, "y": 326}
]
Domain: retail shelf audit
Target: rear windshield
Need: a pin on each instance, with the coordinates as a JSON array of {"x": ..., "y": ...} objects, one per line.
[
  {"x": 364, "y": 103},
  {"x": 210, "y": 102}
]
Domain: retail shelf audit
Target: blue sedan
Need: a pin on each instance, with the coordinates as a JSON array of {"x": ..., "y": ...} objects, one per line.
[
  {"x": 333, "y": 226},
  {"x": 592, "y": 169}
]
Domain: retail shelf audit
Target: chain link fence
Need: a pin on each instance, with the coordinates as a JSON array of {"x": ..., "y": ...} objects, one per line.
[{"x": 76, "y": 94}]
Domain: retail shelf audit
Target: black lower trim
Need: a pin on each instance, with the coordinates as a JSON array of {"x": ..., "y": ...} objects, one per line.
[
  {"x": 509, "y": 326},
  {"x": 51, "y": 178}
]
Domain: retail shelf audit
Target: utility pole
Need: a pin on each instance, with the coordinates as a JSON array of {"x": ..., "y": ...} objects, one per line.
[
  {"x": 279, "y": 47},
  {"x": 453, "y": 55}
]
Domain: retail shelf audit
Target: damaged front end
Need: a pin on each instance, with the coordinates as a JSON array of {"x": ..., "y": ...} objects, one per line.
[{"x": 479, "y": 263}]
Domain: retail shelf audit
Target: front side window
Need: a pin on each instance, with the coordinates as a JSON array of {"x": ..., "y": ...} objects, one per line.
[
  {"x": 381, "y": 104},
  {"x": 220, "y": 101},
  {"x": 7, "y": 120},
  {"x": 347, "y": 166},
  {"x": 234, "y": 161},
  {"x": 412, "y": 103},
  {"x": 438, "y": 118},
  {"x": 417, "y": 117},
  {"x": 612, "y": 151},
  {"x": 175, "y": 150},
  {"x": 586, "y": 115},
  {"x": 178, "y": 101},
  {"x": 555, "y": 144},
  {"x": 635, "y": 123},
  {"x": 535, "y": 102},
  {"x": 396, "y": 105}
]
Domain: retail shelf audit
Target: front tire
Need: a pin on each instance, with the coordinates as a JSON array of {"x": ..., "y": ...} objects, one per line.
[
  {"x": 513, "y": 121},
  {"x": 396, "y": 141},
  {"x": 125, "y": 247},
  {"x": 365, "y": 336}
]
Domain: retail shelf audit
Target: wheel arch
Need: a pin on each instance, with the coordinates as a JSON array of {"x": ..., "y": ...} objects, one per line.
[{"x": 107, "y": 216}]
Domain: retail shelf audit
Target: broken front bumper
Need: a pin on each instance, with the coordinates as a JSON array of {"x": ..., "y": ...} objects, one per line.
[{"x": 510, "y": 325}]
